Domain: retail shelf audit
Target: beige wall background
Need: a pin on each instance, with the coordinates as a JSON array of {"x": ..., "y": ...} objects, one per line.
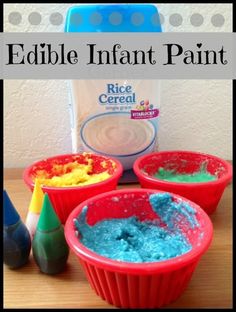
[{"x": 195, "y": 114}]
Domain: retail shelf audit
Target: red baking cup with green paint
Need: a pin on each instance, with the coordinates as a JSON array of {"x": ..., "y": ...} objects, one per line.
[
  {"x": 50, "y": 249},
  {"x": 206, "y": 194}
]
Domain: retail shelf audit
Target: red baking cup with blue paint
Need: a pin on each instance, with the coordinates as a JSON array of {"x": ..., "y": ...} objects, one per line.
[{"x": 137, "y": 285}]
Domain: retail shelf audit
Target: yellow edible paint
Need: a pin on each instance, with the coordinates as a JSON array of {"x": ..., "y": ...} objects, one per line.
[{"x": 78, "y": 176}]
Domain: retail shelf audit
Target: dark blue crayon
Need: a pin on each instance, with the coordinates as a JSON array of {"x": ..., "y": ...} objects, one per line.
[{"x": 17, "y": 243}]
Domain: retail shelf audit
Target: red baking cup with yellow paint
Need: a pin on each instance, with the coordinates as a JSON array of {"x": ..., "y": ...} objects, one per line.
[{"x": 65, "y": 198}]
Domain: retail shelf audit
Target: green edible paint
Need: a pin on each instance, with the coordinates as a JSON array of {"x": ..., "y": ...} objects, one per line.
[
  {"x": 50, "y": 249},
  {"x": 171, "y": 175}
]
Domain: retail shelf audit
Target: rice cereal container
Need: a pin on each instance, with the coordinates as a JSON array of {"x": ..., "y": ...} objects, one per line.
[{"x": 117, "y": 118}]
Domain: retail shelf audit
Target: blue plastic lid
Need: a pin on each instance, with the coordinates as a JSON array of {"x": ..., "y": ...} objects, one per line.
[
  {"x": 113, "y": 18},
  {"x": 11, "y": 216}
]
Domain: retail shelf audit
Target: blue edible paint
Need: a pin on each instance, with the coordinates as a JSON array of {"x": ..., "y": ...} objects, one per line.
[
  {"x": 134, "y": 241},
  {"x": 169, "y": 210},
  {"x": 16, "y": 237}
]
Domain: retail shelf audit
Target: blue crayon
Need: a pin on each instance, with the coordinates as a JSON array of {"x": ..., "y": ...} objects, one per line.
[{"x": 17, "y": 243}]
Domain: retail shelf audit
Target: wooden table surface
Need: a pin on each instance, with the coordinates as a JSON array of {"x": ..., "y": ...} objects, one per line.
[{"x": 210, "y": 286}]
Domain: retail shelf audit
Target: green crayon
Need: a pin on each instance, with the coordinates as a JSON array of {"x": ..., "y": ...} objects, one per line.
[{"x": 49, "y": 246}]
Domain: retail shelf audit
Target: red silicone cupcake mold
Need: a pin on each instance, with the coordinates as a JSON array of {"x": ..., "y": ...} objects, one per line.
[
  {"x": 206, "y": 194},
  {"x": 65, "y": 199},
  {"x": 137, "y": 285}
]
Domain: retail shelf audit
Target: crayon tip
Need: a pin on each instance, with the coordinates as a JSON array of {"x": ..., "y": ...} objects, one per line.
[
  {"x": 36, "y": 199},
  {"x": 11, "y": 216},
  {"x": 48, "y": 219}
]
